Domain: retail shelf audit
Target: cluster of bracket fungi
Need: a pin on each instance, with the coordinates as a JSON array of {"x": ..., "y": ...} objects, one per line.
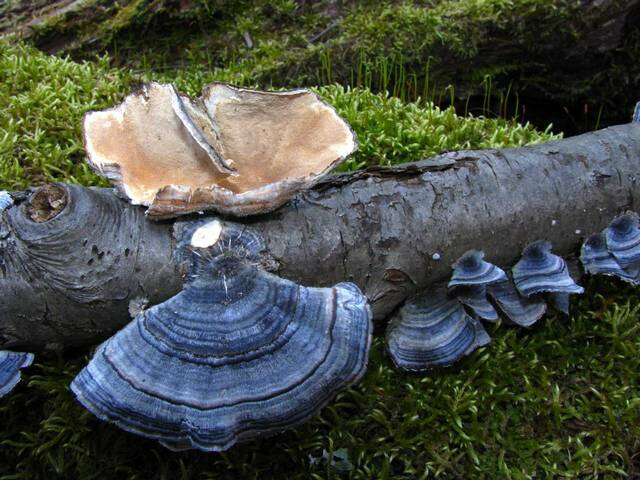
[
  {"x": 440, "y": 327},
  {"x": 240, "y": 353}
]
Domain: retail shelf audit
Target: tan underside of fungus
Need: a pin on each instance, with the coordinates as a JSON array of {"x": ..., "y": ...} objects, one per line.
[{"x": 236, "y": 151}]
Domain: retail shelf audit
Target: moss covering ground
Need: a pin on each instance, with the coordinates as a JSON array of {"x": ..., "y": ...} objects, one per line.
[
  {"x": 562, "y": 400},
  {"x": 43, "y": 99},
  {"x": 501, "y": 54}
]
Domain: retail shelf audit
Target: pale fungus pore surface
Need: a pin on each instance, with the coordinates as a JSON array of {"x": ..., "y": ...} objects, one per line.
[
  {"x": 238, "y": 354},
  {"x": 236, "y": 151}
]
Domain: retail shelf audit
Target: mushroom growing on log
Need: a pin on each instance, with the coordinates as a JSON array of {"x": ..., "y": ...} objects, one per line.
[
  {"x": 233, "y": 150},
  {"x": 239, "y": 353},
  {"x": 394, "y": 232}
]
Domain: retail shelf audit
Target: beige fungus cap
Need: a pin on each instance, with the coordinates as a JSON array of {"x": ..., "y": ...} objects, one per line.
[{"x": 236, "y": 151}]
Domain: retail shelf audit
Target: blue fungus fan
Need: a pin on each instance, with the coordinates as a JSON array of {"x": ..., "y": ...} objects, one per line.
[
  {"x": 519, "y": 310},
  {"x": 540, "y": 271},
  {"x": 475, "y": 297},
  {"x": 238, "y": 354},
  {"x": 5, "y": 200},
  {"x": 482, "y": 337},
  {"x": 636, "y": 114},
  {"x": 432, "y": 331},
  {"x": 471, "y": 269},
  {"x": 623, "y": 239},
  {"x": 597, "y": 260},
  {"x": 10, "y": 365}
]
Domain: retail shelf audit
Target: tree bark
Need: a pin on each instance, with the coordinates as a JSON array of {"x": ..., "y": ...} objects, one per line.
[{"x": 68, "y": 280}]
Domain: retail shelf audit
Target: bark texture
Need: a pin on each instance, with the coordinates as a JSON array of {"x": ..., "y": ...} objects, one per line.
[{"x": 393, "y": 231}]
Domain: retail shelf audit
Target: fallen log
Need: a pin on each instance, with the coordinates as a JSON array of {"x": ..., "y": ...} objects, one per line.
[
  {"x": 74, "y": 259},
  {"x": 565, "y": 56}
]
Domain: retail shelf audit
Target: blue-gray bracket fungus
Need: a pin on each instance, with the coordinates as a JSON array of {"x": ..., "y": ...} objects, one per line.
[
  {"x": 636, "y": 114},
  {"x": 597, "y": 260},
  {"x": 472, "y": 269},
  {"x": 235, "y": 151},
  {"x": 432, "y": 331},
  {"x": 470, "y": 277},
  {"x": 623, "y": 239},
  {"x": 518, "y": 310},
  {"x": 238, "y": 354},
  {"x": 475, "y": 298},
  {"x": 540, "y": 271},
  {"x": 5, "y": 200},
  {"x": 10, "y": 365}
]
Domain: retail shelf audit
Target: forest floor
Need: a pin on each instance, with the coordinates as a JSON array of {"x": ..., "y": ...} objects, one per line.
[{"x": 559, "y": 400}]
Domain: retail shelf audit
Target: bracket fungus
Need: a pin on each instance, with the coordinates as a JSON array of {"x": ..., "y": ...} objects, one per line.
[
  {"x": 597, "y": 260},
  {"x": 539, "y": 271},
  {"x": 475, "y": 298},
  {"x": 472, "y": 269},
  {"x": 519, "y": 310},
  {"x": 432, "y": 331},
  {"x": 236, "y": 151},
  {"x": 10, "y": 365},
  {"x": 469, "y": 280},
  {"x": 623, "y": 239},
  {"x": 239, "y": 353}
]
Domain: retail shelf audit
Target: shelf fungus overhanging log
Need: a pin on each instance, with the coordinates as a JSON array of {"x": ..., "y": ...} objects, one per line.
[
  {"x": 239, "y": 353},
  {"x": 540, "y": 271},
  {"x": 598, "y": 260},
  {"x": 623, "y": 239},
  {"x": 235, "y": 151},
  {"x": 469, "y": 281},
  {"x": 431, "y": 331},
  {"x": 10, "y": 365}
]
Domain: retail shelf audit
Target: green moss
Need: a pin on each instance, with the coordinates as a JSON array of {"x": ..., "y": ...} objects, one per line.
[
  {"x": 559, "y": 401},
  {"x": 44, "y": 98},
  {"x": 391, "y": 131},
  {"x": 434, "y": 50}
]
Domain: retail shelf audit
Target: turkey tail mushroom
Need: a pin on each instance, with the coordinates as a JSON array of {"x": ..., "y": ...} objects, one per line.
[
  {"x": 472, "y": 269},
  {"x": 623, "y": 239},
  {"x": 469, "y": 281},
  {"x": 540, "y": 271},
  {"x": 518, "y": 310},
  {"x": 432, "y": 331},
  {"x": 238, "y": 354},
  {"x": 475, "y": 298},
  {"x": 236, "y": 151},
  {"x": 10, "y": 365},
  {"x": 597, "y": 260}
]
